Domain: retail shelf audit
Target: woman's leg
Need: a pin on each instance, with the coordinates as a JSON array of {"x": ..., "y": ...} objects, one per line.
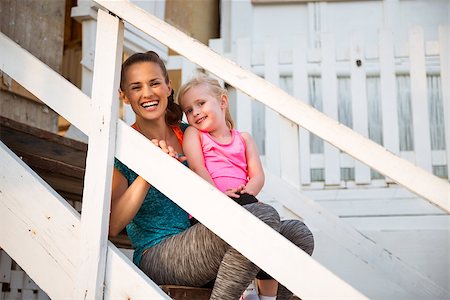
[{"x": 196, "y": 256}]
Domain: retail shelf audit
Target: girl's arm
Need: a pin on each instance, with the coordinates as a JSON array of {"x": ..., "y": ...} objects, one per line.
[
  {"x": 125, "y": 201},
  {"x": 255, "y": 169},
  {"x": 192, "y": 149}
]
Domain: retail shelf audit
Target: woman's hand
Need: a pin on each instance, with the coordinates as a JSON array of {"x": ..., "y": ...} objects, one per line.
[{"x": 168, "y": 149}]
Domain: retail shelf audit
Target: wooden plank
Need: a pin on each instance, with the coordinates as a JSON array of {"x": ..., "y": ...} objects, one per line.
[
  {"x": 37, "y": 219},
  {"x": 359, "y": 99},
  {"x": 62, "y": 96},
  {"x": 300, "y": 91},
  {"x": 360, "y": 246},
  {"x": 419, "y": 99},
  {"x": 244, "y": 113},
  {"x": 272, "y": 119},
  {"x": 285, "y": 268},
  {"x": 330, "y": 105},
  {"x": 444, "y": 49},
  {"x": 417, "y": 180},
  {"x": 186, "y": 293},
  {"x": 100, "y": 157}
]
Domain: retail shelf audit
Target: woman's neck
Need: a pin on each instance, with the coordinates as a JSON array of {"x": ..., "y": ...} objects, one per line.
[{"x": 154, "y": 129}]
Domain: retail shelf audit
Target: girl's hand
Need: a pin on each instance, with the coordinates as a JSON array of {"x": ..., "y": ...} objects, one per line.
[{"x": 234, "y": 192}]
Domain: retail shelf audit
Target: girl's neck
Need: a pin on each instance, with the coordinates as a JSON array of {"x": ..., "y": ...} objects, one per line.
[
  {"x": 154, "y": 129},
  {"x": 222, "y": 134}
]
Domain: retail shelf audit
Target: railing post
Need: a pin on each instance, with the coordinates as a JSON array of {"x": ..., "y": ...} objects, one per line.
[
  {"x": 99, "y": 162},
  {"x": 444, "y": 52}
]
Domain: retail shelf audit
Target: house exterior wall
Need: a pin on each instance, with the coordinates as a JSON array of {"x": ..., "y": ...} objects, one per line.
[{"x": 38, "y": 26}]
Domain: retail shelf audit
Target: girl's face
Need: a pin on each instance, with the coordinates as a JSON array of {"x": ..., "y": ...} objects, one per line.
[
  {"x": 203, "y": 110},
  {"x": 146, "y": 90}
]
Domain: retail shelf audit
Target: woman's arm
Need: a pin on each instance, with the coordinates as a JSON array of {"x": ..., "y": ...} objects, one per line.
[
  {"x": 192, "y": 149},
  {"x": 255, "y": 169},
  {"x": 125, "y": 201}
]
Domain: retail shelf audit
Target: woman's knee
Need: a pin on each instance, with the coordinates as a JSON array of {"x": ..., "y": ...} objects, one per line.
[
  {"x": 265, "y": 213},
  {"x": 298, "y": 233}
]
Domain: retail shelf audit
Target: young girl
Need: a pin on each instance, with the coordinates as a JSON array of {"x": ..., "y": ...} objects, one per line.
[{"x": 226, "y": 158}]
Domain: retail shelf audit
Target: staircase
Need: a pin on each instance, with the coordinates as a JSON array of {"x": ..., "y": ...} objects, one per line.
[{"x": 84, "y": 265}]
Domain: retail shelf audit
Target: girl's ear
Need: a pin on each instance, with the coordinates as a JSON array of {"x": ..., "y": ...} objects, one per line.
[
  {"x": 123, "y": 97},
  {"x": 224, "y": 101}
]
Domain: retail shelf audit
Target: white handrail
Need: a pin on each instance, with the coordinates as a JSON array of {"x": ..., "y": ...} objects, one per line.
[{"x": 422, "y": 183}]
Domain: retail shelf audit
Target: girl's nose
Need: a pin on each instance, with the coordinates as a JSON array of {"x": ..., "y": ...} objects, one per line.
[{"x": 196, "y": 111}]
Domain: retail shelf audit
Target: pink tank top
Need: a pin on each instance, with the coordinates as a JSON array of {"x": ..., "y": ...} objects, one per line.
[{"x": 226, "y": 163}]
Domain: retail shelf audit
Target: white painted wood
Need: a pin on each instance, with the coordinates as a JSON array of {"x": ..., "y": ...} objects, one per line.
[
  {"x": 62, "y": 96},
  {"x": 272, "y": 119},
  {"x": 359, "y": 99},
  {"x": 244, "y": 106},
  {"x": 444, "y": 49},
  {"x": 37, "y": 220},
  {"x": 289, "y": 152},
  {"x": 419, "y": 99},
  {"x": 124, "y": 280},
  {"x": 188, "y": 70},
  {"x": 388, "y": 93},
  {"x": 100, "y": 157},
  {"x": 285, "y": 268},
  {"x": 360, "y": 246},
  {"x": 218, "y": 47},
  {"x": 424, "y": 184},
  {"x": 300, "y": 91},
  {"x": 330, "y": 105}
]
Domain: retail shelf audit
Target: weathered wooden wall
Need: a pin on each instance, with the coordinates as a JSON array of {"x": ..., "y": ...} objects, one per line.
[{"x": 38, "y": 26}]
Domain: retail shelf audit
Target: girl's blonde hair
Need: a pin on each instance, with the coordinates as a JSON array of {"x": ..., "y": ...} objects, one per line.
[{"x": 215, "y": 88}]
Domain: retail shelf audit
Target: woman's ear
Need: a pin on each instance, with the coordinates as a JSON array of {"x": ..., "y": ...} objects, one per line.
[{"x": 123, "y": 97}]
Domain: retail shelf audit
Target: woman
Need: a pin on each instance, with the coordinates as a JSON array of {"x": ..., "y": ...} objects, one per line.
[{"x": 166, "y": 248}]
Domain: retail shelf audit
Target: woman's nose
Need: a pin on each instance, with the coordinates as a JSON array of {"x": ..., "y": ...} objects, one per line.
[{"x": 147, "y": 91}]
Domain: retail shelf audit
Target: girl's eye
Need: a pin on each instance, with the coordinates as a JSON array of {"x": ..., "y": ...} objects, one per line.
[{"x": 188, "y": 111}]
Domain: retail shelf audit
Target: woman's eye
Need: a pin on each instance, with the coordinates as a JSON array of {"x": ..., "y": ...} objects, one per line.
[{"x": 134, "y": 88}]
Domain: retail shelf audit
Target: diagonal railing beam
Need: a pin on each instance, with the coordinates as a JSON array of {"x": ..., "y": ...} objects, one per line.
[{"x": 417, "y": 180}]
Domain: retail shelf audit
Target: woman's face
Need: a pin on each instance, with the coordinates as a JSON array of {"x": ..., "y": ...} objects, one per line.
[{"x": 146, "y": 90}]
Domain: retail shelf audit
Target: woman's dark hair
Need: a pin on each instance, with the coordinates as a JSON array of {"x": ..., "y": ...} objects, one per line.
[{"x": 173, "y": 111}]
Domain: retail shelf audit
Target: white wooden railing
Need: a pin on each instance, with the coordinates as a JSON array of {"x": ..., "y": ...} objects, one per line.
[
  {"x": 97, "y": 264},
  {"x": 360, "y": 91}
]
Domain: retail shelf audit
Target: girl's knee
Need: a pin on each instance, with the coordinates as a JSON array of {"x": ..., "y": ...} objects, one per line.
[
  {"x": 298, "y": 233},
  {"x": 265, "y": 213}
]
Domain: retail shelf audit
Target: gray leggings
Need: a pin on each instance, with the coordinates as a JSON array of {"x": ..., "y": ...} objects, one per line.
[{"x": 198, "y": 256}]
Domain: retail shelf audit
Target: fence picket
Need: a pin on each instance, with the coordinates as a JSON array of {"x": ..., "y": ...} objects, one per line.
[
  {"x": 444, "y": 54},
  {"x": 330, "y": 105},
  {"x": 419, "y": 101},
  {"x": 301, "y": 91},
  {"x": 272, "y": 119},
  {"x": 359, "y": 100},
  {"x": 243, "y": 103},
  {"x": 391, "y": 139}
]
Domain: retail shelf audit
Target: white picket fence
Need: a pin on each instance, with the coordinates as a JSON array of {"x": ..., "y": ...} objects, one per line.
[{"x": 398, "y": 98}]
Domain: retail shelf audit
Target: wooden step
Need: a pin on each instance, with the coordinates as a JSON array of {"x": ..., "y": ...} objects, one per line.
[{"x": 178, "y": 292}]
